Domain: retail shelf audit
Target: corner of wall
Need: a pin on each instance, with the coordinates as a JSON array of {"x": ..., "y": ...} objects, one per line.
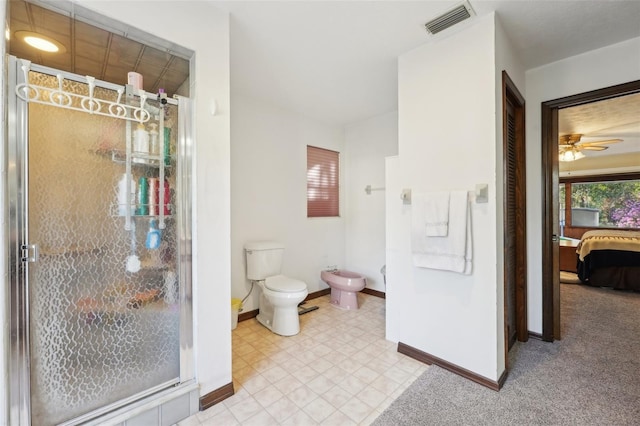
[
  {"x": 367, "y": 144},
  {"x": 505, "y": 60},
  {"x": 445, "y": 303}
]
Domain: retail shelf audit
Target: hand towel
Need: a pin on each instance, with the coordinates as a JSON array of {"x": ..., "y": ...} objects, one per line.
[
  {"x": 436, "y": 213},
  {"x": 452, "y": 252}
]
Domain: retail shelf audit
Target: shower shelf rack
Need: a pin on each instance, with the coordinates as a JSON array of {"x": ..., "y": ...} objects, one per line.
[
  {"x": 58, "y": 97},
  {"x": 115, "y": 209},
  {"x": 134, "y": 159},
  {"x": 149, "y": 160},
  {"x": 89, "y": 104}
]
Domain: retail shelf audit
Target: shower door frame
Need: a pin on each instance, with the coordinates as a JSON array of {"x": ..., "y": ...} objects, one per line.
[{"x": 21, "y": 253}]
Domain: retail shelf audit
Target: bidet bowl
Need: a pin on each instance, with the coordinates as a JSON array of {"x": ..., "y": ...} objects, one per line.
[
  {"x": 344, "y": 287},
  {"x": 344, "y": 280}
]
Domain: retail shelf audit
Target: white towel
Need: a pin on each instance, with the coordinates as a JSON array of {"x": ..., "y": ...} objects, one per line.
[
  {"x": 450, "y": 253},
  {"x": 435, "y": 208}
]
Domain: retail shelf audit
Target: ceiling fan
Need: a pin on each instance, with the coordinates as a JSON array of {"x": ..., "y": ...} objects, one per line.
[{"x": 570, "y": 147}]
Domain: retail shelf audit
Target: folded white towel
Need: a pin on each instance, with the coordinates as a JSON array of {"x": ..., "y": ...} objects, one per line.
[
  {"x": 435, "y": 208},
  {"x": 450, "y": 253}
]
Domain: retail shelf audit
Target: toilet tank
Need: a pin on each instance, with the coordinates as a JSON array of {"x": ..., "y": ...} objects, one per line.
[{"x": 264, "y": 259}]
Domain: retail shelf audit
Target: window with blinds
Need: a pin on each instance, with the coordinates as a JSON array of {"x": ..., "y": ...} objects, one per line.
[{"x": 323, "y": 177}]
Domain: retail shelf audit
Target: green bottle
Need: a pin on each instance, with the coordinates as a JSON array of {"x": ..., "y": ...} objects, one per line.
[
  {"x": 143, "y": 197},
  {"x": 167, "y": 146}
]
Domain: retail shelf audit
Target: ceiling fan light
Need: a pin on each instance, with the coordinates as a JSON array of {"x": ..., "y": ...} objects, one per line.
[{"x": 571, "y": 155}]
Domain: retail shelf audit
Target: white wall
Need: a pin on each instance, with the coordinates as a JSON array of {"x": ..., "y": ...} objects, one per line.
[
  {"x": 611, "y": 65},
  {"x": 269, "y": 187},
  {"x": 447, "y": 141},
  {"x": 204, "y": 29},
  {"x": 367, "y": 143}
]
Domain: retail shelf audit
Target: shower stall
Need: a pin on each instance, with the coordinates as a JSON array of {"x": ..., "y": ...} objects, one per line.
[{"x": 99, "y": 230}]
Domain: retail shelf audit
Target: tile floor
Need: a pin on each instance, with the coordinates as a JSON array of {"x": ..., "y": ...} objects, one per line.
[{"x": 339, "y": 370}]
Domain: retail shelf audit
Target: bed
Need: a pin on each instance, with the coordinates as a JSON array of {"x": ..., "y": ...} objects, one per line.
[{"x": 610, "y": 258}]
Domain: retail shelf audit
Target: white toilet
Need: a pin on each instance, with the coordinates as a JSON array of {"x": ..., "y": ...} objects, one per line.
[{"x": 278, "y": 310}]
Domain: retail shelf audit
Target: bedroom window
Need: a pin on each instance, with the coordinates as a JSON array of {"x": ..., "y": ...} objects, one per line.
[
  {"x": 600, "y": 204},
  {"x": 323, "y": 178}
]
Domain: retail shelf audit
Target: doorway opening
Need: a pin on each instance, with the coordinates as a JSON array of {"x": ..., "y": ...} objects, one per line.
[{"x": 550, "y": 199}]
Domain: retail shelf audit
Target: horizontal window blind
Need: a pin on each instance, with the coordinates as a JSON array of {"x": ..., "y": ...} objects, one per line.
[{"x": 323, "y": 177}]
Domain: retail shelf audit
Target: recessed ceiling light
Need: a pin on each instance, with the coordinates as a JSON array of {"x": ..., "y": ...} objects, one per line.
[{"x": 41, "y": 42}]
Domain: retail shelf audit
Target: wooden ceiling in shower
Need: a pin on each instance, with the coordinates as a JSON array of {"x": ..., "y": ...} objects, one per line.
[{"x": 90, "y": 50}]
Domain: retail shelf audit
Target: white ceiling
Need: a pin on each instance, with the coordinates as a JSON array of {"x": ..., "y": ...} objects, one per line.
[
  {"x": 617, "y": 118},
  {"x": 336, "y": 61}
]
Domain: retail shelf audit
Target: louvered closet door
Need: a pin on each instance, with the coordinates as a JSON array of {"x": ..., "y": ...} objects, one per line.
[{"x": 510, "y": 237}]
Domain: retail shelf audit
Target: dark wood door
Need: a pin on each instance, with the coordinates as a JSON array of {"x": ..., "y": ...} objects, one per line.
[
  {"x": 510, "y": 246},
  {"x": 514, "y": 211}
]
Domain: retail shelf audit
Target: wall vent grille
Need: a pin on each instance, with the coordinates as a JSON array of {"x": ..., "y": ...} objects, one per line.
[{"x": 449, "y": 19}]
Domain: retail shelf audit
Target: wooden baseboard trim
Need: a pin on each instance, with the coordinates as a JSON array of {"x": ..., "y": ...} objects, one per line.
[
  {"x": 318, "y": 293},
  {"x": 248, "y": 315},
  {"x": 414, "y": 353},
  {"x": 502, "y": 379},
  {"x": 430, "y": 359},
  {"x": 216, "y": 396},
  {"x": 377, "y": 293},
  {"x": 535, "y": 335}
]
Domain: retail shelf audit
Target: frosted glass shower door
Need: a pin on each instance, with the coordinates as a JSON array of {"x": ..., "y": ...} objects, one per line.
[{"x": 99, "y": 334}]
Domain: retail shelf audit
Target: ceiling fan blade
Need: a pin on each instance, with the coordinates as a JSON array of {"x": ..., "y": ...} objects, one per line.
[
  {"x": 592, "y": 148},
  {"x": 596, "y": 143}
]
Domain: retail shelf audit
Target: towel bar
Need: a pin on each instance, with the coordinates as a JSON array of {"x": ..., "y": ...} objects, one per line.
[
  {"x": 405, "y": 196},
  {"x": 368, "y": 189},
  {"x": 481, "y": 194}
]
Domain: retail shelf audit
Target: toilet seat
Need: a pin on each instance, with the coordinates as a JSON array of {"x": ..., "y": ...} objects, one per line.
[{"x": 284, "y": 284}]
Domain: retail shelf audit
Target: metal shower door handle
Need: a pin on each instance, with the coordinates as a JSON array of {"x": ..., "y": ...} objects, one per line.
[{"x": 28, "y": 249}]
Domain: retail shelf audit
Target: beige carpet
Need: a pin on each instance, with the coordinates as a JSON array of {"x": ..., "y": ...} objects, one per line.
[{"x": 589, "y": 378}]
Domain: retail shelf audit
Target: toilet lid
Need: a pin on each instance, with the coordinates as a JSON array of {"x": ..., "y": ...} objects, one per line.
[{"x": 284, "y": 284}]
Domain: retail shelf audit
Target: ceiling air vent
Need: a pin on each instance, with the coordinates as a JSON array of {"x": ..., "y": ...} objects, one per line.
[{"x": 449, "y": 19}]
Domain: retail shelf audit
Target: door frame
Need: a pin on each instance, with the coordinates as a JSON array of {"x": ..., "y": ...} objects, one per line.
[
  {"x": 550, "y": 182},
  {"x": 19, "y": 394},
  {"x": 510, "y": 93}
]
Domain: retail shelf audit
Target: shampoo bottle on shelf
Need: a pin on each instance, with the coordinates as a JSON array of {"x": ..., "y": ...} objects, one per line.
[
  {"x": 140, "y": 143},
  {"x": 166, "y": 147},
  {"x": 167, "y": 197},
  {"x": 153, "y": 196},
  {"x": 154, "y": 143},
  {"x": 153, "y": 236},
  {"x": 143, "y": 197},
  {"x": 122, "y": 196}
]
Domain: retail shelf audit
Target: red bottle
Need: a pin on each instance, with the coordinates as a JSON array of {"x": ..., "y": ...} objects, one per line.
[{"x": 167, "y": 198}]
